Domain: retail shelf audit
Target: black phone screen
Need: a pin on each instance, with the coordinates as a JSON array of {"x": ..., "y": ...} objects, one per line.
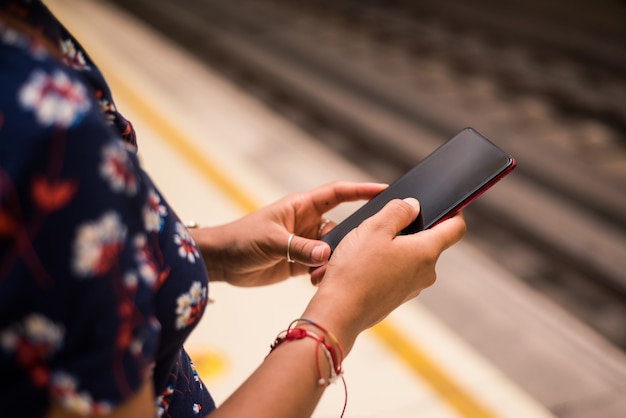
[{"x": 449, "y": 178}]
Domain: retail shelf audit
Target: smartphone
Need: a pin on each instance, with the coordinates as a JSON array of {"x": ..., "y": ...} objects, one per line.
[{"x": 444, "y": 182}]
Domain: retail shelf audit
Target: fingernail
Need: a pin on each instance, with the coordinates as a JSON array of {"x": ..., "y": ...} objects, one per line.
[
  {"x": 412, "y": 201},
  {"x": 318, "y": 253}
]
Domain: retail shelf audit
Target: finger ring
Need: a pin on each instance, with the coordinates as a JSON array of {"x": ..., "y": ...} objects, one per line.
[
  {"x": 289, "y": 259},
  {"x": 191, "y": 224},
  {"x": 322, "y": 226}
]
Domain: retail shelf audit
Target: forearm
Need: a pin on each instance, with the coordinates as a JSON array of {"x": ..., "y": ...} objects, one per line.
[{"x": 286, "y": 384}]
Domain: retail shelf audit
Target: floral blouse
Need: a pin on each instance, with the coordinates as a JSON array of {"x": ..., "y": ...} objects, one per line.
[{"x": 100, "y": 282}]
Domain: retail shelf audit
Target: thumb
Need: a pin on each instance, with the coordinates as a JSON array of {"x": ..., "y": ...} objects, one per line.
[
  {"x": 309, "y": 252},
  {"x": 396, "y": 215}
]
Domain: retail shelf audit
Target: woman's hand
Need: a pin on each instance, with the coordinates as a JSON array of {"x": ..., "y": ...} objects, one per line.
[
  {"x": 252, "y": 250},
  {"x": 373, "y": 270}
]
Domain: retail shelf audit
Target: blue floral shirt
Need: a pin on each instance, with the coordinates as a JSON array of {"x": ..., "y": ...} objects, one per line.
[{"x": 100, "y": 282}]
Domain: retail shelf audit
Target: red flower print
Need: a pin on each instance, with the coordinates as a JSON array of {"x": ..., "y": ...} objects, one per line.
[
  {"x": 51, "y": 196},
  {"x": 32, "y": 341},
  {"x": 97, "y": 245}
]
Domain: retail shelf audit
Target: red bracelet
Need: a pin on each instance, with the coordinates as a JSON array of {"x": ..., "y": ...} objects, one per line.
[
  {"x": 292, "y": 334},
  {"x": 335, "y": 359},
  {"x": 337, "y": 362}
]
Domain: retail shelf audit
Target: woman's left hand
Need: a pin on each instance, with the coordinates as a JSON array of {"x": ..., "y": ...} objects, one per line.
[{"x": 253, "y": 250}]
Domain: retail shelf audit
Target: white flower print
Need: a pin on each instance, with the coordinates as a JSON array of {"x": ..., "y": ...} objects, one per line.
[
  {"x": 131, "y": 281},
  {"x": 136, "y": 346},
  {"x": 10, "y": 36},
  {"x": 154, "y": 212},
  {"x": 64, "y": 388},
  {"x": 97, "y": 245},
  {"x": 55, "y": 99},
  {"x": 73, "y": 56},
  {"x": 196, "y": 292},
  {"x": 186, "y": 246},
  {"x": 117, "y": 168},
  {"x": 163, "y": 401},
  {"x": 196, "y": 376},
  {"x": 40, "y": 329},
  {"x": 184, "y": 303},
  {"x": 190, "y": 305},
  {"x": 183, "y": 319},
  {"x": 31, "y": 343},
  {"x": 35, "y": 330},
  {"x": 183, "y": 310},
  {"x": 145, "y": 264},
  {"x": 8, "y": 340}
]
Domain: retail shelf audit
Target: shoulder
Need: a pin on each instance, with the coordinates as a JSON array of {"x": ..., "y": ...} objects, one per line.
[{"x": 42, "y": 100}]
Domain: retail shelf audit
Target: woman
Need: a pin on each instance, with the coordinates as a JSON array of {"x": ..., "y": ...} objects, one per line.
[{"x": 101, "y": 283}]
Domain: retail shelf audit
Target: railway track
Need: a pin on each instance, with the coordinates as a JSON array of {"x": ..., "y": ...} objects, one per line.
[{"x": 385, "y": 84}]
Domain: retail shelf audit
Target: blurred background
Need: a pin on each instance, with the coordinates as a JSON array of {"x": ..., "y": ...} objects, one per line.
[
  {"x": 290, "y": 93},
  {"x": 383, "y": 82}
]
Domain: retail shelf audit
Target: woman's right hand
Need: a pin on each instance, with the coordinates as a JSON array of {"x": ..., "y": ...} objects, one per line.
[{"x": 374, "y": 270}]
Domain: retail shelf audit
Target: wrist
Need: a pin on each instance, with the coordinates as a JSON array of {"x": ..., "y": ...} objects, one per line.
[
  {"x": 213, "y": 242},
  {"x": 332, "y": 316},
  {"x": 328, "y": 353}
]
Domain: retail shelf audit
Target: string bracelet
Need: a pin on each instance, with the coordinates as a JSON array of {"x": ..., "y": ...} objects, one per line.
[
  {"x": 336, "y": 361},
  {"x": 332, "y": 352},
  {"x": 301, "y": 333}
]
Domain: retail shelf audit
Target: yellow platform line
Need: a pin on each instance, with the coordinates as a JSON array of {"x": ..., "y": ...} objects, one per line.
[
  {"x": 180, "y": 143},
  {"x": 393, "y": 339},
  {"x": 418, "y": 361}
]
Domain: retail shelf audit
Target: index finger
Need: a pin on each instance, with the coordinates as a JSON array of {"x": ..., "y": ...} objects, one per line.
[{"x": 330, "y": 195}]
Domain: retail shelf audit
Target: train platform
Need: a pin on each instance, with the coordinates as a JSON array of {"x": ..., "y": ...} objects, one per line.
[{"x": 477, "y": 344}]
